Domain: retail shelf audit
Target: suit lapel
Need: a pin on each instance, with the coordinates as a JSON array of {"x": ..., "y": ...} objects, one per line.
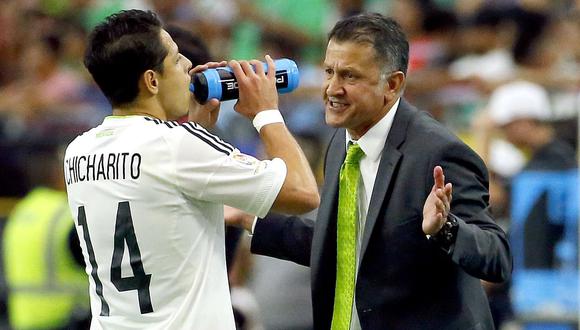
[
  {"x": 390, "y": 158},
  {"x": 328, "y": 207}
]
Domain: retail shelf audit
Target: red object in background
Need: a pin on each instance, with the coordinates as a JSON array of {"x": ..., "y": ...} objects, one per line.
[{"x": 423, "y": 51}]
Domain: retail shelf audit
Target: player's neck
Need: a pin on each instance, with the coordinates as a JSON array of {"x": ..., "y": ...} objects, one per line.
[{"x": 139, "y": 109}]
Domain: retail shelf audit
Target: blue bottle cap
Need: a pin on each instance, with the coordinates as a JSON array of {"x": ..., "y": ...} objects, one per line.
[
  {"x": 213, "y": 84},
  {"x": 209, "y": 79}
]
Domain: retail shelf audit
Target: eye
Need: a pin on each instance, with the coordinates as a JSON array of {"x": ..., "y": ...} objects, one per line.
[{"x": 329, "y": 71}]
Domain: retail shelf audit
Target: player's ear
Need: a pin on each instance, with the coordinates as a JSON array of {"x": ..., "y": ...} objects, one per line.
[{"x": 150, "y": 80}]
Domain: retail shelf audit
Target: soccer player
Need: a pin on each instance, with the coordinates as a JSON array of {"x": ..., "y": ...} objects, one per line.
[{"x": 147, "y": 193}]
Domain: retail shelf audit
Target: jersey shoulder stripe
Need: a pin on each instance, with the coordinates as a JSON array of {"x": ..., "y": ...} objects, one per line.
[
  {"x": 155, "y": 120},
  {"x": 199, "y": 132},
  {"x": 216, "y": 146},
  {"x": 198, "y": 128}
]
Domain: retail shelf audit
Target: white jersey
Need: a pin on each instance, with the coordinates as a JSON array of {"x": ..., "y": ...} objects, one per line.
[{"x": 147, "y": 197}]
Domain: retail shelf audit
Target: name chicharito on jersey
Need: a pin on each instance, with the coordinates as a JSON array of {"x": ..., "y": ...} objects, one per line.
[{"x": 112, "y": 166}]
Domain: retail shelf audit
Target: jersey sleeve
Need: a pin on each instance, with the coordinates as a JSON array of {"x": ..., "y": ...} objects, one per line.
[{"x": 209, "y": 169}]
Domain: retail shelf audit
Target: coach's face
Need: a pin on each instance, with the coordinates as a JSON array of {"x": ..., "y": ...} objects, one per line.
[
  {"x": 356, "y": 97},
  {"x": 174, "y": 94}
]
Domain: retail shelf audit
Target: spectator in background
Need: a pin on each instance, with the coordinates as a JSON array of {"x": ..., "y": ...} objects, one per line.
[
  {"x": 190, "y": 45},
  {"x": 557, "y": 68},
  {"x": 410, "y": 14},
  {"x": 45, "y": 85},
  {"x": 173, "y": 11},
  {"x": 44, "y": 269},
  {"x": 543, "y": 235},
  {"x": 521, "y": 111},
  {"x": 48, "y": 96},
  {"x": 487, "y": 39},
  {"x": 429, "y": 83}
]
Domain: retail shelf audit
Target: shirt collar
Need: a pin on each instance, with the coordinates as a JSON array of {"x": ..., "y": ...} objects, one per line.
[
  {"x": 124, "y": 119},
  {"x": 373, "y": 141}
]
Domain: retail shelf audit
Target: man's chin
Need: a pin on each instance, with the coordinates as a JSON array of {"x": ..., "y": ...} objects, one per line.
[{"x": 332, "y": 121}]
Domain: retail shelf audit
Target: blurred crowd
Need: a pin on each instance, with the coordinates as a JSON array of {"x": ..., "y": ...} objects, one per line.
[{"x": 482, "y": 67}]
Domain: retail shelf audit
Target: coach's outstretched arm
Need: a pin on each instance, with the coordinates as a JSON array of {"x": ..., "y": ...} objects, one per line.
[{"x": 299, "y": 193}]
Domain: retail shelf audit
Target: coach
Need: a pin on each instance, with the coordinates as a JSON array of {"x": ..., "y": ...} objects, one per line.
[{"x": 404, "y": 232}]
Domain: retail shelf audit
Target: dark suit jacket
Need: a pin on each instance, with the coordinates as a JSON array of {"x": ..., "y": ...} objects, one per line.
[{"x": 405, "y": 281}]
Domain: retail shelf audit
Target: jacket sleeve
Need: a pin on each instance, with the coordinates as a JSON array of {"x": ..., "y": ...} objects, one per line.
[
  {"x": 481, "y": 247},
  {"x": 284, "y": 237}
]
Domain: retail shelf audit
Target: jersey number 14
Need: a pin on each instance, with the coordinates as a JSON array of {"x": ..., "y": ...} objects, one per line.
[{"x": 124, "y": 232}]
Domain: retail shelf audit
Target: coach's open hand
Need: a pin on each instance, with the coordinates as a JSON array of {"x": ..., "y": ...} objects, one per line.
[{"x": 438, "y": 203}]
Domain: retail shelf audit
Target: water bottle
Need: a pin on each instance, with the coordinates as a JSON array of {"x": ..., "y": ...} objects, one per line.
[{"x": 221, "y": 84}]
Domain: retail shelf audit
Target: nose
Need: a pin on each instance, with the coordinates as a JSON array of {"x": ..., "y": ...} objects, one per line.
[
  {"x": 333, "y": 86},
  {"x": 188, "y": 64}
]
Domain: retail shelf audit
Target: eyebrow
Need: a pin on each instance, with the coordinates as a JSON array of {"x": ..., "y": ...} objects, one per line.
[{"x": 343, "y": 69}]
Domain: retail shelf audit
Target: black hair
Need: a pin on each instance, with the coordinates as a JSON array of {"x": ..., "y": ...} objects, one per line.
[
  {"x": 190, "y": 45},
  {"x": 385, "y": 34},
  {"x": 120, "y": 49},
  {"x": 440, "y": 20}
]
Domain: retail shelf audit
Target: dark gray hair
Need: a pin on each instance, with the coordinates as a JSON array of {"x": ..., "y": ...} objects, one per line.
[{"x": 385, "y": 34}]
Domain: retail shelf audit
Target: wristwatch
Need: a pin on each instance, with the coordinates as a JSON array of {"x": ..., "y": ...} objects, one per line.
[{"x": 447, "y": 235}]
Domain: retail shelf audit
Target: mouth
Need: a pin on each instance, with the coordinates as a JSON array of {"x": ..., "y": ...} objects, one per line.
[{"x": 336, "y": 105}]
